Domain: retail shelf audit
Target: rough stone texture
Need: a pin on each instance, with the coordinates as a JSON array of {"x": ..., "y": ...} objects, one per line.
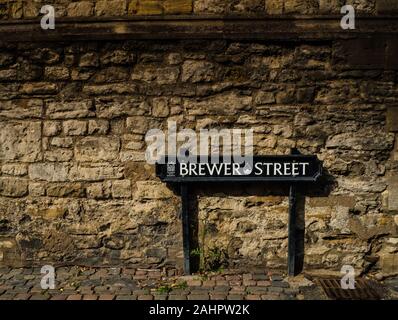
[
  {"x": 387, "y": 6},
  {"x": 392, "y": 119},
  {"x": 75, "y": 187},
  {"x": 87, "y": 8}
]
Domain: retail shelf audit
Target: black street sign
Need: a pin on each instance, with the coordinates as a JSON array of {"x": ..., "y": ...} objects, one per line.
[
  {"x": 287, "y": 168},
  {"x": 293, "y": 168}
]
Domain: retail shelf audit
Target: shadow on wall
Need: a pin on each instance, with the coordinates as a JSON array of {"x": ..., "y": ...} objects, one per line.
[{"x": 322, "y": 188}]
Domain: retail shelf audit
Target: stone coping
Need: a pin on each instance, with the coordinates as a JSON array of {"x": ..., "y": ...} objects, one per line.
[{"x": 198, "y": 27}]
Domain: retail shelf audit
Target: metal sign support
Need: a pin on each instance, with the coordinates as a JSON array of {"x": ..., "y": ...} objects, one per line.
[{"x": 186, "y": 228}]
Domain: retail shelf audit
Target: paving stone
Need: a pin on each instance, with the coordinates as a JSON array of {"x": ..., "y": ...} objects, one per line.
[
  {"x": 222, "y": 288},
  {"x": 145, "y": 297},
  {"x": 59, "y": 297},
  {"x": 90, "y": 297},
  {"x": 126, "y": 297},
  {"x": 198, "y": 297},
  {"x": 141, "y": 292},
  {"x": 249, "y": 282},
  {"x": 260, "y": 277},
  {"x": 39, "y": 297},
  {"x": 177, "y": 297},
  {"x": 160, "y": 296},
  {"x": 22, "y": 296},
  {"x": 209, "y": 283},
  {"x": 280, "y": 284},
  {"x": 222, "y": 283},
  {"x": 106, "y": 297},
  {"x": 256, "y": 289},
  {"x": 235, "y": 297},
  {"x": 253, "y": 297},
  {"x": 264, "y": 283},
  {"x": 7, "y": 296},
  {"x": 269, "y": 297},
  {"x": 276, "y": 277},
  {"x": 74, "y": 297},
  {"x": 218, "y": 296},
  {"x": 275, "y": 289},
  {"x": 194, "y": 283}
]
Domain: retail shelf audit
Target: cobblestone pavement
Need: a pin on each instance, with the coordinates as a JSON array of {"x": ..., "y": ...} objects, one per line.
[{"x": 83, "y": 283}]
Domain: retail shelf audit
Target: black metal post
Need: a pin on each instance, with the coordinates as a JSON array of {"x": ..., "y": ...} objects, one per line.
[
  {"x": 186, "y": 228},
  {"x": 292, "y": 254}
]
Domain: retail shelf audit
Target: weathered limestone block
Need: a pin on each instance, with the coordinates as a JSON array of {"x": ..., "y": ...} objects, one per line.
[
  {"x": 110, "y": 108},
  {"x": 80, "y": 9},
  {"x": 6, "y": 59},
  {"x": 48, "y": 212},
  {"x": 109, "y": 89},
  {"x": 160, "y": 107},
  {"x": 361, "y": 140},
  {"x": 59, "y": 154},
  {"x": 111, "y": 74},
  {"x": 330, "y": 6},
  {"x": 145, "y": 7},
  {"x": 151, "y": 190},
  {"x": 333, "y": 201},
  {"x": 16, "y": 10},
  {"x": 177, "y": 6},
  {"x": 62, "y": 142},
  {"x": 371, "y": 225},
  {"x": 37, "y": 189},
  {"x": 20, "y": 141},
  {"x": 274, "y": 7},
  {"x": 263, "y": 97},
  {"x": 8, "y": 75},
  {"x": 74, "y": 127},
  {"x": 301, "y": 6},
  {"x": 386, "y": 6},
  {"x": 392, "y": 119},
  {"x": 198, "y": 71},
  {"x": 211, "y": 6},
  {"x": 95, "y": 172},
  {"x": 229, "y": 103},
  {"x": 66, "y": 190},
  {"x": 138, "y": 125},
  {"x": 12, "y": 187},
  {"x": 96, "y": 191},
  {"x": 51, "y": 128},
  {"x": 52, "y": 172},
  {"x": 252, "y": 6},
  {"x": 155, "y": 73},
  {"x": 14, "y": 169},
  {"x": 21, "y": 109},
  {"x": 56, "y": 73},
  {"x": 70, "y": 110},
  {"x": 121, "y": 189},
  {"x": 389, "y": 264},
  {"x": 89, "y": 60},
  {"x": 98, "y": 127},
  {"x": 117, "y": 57},
  {"x": 9, "y": 252},
  {"x": 132, "y": 142},
  {"x": 363, "y": 6},
  {"x": 393, "y": 193},
  {"x": 111, "y": 7},
  {"x": 39, "y": 88},
  {"x": 94, "y": 149}
]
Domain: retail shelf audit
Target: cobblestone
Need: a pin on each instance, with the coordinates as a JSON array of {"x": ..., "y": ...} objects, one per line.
[{"x": 118, "y": 284}]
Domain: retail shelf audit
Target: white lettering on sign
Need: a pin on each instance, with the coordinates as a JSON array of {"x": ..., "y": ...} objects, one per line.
[{"x": 277, "y": 169}]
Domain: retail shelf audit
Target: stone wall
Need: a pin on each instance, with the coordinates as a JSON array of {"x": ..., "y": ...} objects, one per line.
[
  {"x": 75, "y": 188},
  {"x": 18, "y": 9}
]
